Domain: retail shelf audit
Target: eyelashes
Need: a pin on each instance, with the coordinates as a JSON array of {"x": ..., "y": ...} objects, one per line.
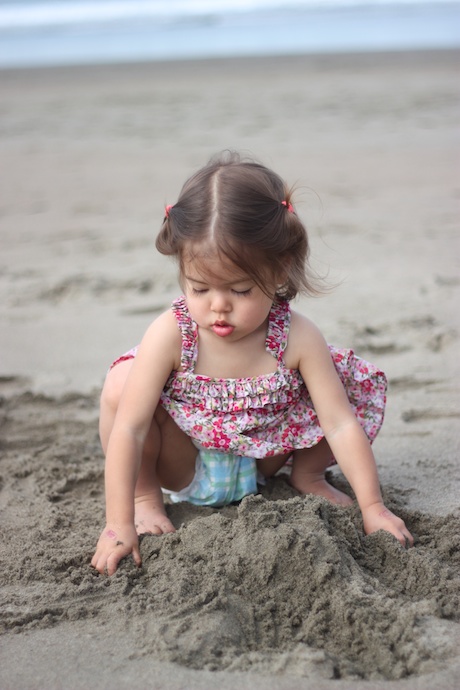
[{"x": 238, "y": 293}]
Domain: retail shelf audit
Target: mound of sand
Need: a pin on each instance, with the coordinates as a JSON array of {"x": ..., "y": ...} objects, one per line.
[{"x": 280, "y": 584}]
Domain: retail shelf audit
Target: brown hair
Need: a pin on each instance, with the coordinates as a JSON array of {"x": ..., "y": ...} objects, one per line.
[{"x": 236, "y": 206}]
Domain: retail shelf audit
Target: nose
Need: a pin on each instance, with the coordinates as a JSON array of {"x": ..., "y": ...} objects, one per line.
[{"x": 220, "y": 303}]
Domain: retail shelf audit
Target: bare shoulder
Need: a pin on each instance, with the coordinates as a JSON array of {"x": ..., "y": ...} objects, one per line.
[
  {"x": 166, "y": 324},
  {"x": 158, "y": 355},
  {"x": 305, "y": 339},
  {"x": 163, "y": 339}
]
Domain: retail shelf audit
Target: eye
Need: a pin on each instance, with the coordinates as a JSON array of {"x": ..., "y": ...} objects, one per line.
[
  {"x": 242, "y": 293},
  {"x": 199, "y": 291}
]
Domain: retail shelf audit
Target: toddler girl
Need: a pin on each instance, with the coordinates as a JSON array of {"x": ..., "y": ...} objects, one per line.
[{"x": 230, "y": 384}]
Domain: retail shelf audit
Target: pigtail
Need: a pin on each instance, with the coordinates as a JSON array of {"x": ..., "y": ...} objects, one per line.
[
  {"x": 165, "y": 242},
  {"x": 293, "y": 251}
]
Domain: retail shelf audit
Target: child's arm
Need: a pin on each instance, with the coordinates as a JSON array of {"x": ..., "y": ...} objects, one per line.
[
  {"x": 158, "y": 355},
  {"x": 345, "y": 436},
  {"x": 354, "y": 455}
]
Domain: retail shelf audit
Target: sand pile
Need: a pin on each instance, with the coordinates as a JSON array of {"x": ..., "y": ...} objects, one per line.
[
  {"x": 279, "y": 584},
  {"x": 292, "y": 585}
]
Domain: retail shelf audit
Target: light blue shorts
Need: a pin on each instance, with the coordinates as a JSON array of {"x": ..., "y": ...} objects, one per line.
[{"x": 220, "y": 479}]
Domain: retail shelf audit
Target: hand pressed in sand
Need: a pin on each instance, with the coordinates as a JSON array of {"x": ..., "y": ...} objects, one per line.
[{"x": 115, "y": 542}]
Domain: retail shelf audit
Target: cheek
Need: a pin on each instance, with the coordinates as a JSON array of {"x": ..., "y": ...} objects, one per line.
[
  {"x": 257, "y": 312},
  {"x": 196, "y": 307}
]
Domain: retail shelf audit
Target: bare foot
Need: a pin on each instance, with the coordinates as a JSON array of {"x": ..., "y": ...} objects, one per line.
[
  {"x": 150, "y": 517},
  {"x": 319, "y": 486}
]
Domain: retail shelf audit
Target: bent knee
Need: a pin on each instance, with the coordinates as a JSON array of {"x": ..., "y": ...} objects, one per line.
[
  {"x": 270, "y": 466},
  {"x": 114, "y": 384}
]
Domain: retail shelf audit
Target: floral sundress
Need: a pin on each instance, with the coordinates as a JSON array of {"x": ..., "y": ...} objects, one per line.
[{"x": 269, "y": 414}]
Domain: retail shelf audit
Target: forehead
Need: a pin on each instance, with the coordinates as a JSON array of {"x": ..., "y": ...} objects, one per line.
[{"x": 200, "y": 262}]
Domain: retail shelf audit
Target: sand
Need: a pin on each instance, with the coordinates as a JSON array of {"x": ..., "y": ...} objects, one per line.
[{"x": 281, "y": 591}]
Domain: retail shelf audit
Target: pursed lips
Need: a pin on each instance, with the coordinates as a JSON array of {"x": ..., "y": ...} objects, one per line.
[{"x": 222, "y": 328}]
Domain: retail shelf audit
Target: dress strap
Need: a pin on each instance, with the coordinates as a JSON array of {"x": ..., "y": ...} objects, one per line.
[
  {"x": 189, "y": 332},
  {"x": 279, "y": 323}
]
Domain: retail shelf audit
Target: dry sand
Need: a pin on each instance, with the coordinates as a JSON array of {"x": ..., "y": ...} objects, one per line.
[{"x": 282, "y": 591}]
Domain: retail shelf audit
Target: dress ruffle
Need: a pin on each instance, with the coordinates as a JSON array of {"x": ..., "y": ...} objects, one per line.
[
  {"x": 234, "y": 395},
  {"x": 266, "y": 415}
]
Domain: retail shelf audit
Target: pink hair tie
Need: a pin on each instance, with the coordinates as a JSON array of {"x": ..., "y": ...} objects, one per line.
[
  {"x": 289, "y": 206},
  {"x": 167, "y": 210}
]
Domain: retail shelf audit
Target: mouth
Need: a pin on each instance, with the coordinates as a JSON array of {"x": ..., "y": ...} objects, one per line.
[{"x": 222, "y": 329}]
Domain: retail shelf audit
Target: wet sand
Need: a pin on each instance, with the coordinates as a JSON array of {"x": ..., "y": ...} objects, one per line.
[{"x": 281, "y": 591}]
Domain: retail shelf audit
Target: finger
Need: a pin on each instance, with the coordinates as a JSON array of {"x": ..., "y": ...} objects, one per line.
[
  {"x": 405, "y": 538},
  {"x": 396, "y": 532},
  {"x": 137, "y": 556},
  {"x": 401, "y": 538},
  {"x": 113, "y": 561},
  {"x": 409, "y": 539},
  {"x": 98, "y": 562}
]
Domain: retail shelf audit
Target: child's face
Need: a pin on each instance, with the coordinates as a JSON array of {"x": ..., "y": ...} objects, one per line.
[{"x": 223, "y": 300}]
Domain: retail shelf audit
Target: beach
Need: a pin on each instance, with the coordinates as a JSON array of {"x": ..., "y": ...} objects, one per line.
[{"x": 281, "y": 591}]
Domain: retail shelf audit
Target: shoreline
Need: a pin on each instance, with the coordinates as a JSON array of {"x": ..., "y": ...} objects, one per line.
[
  {"x": 224, "y": 31},
  {"x": 318, "y": 59}
]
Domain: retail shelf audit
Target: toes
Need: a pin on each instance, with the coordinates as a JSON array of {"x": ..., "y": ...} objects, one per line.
[
  {"x": 168, "y": 528},
  {"x": 156, "y": 530}
]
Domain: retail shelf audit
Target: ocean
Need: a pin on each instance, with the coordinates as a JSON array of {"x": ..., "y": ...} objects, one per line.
[{"x": 34, "y": 33}]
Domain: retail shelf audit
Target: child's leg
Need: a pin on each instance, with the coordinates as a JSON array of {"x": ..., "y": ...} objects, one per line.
[
  {"x": 168, "y": 461},
  {"x": 308, "y": 473},
  {"x": 309, "y": 466},
  {"x": 168, "y": 457}
]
